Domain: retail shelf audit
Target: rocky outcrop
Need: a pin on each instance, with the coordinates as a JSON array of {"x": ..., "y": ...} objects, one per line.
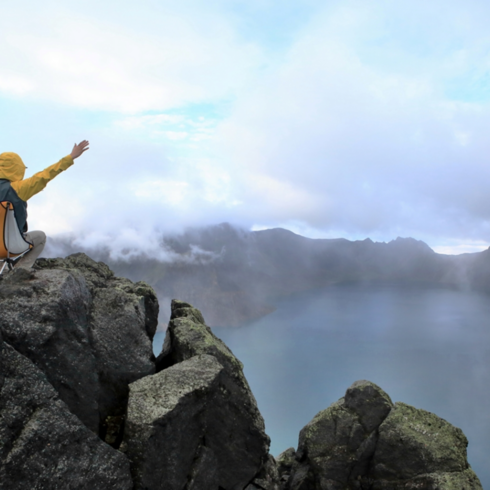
[
  {"x": 267, "y": 478},
  {"x": 421, "y": 448},
  {"x": 42, "y": 444},
  {"x": 89, "y": 332},
  {"x": 207, "y": 432},
  {"x": 365, "y": 441},
  {"x": 170, "y": 424},
  {"x": 77, "y": 377}
]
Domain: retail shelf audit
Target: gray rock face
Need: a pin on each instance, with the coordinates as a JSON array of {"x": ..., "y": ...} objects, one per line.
[
  {"x": 339, "y": 442},
  {"x": 417, "y": 445},
  {"x": 42, "y": 444},
  {"x": 208, "y": 417},
  {"x": 369, "y": 402},
  {"x": 89, "y": 332},
  {"x": 45, "y": 317},
  {"x": 364, "y": 441},
  {"x": 169, "y": 426},
  {"x": 76, "y": 354},
  {"x": 267, "y": 478},
  {"x": 285, "y": 463}
]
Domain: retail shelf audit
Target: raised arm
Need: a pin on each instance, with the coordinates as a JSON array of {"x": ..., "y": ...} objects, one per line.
[{"x": 29, "y": 187}]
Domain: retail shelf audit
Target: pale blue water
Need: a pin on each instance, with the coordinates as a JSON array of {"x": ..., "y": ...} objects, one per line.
[{"x": 427, "y": 347}]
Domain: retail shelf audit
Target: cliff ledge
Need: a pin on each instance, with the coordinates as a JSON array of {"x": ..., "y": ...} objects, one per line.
[{"x": 84, "y": 404}]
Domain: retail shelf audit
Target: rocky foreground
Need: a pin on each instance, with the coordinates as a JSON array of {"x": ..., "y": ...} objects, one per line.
[{"x": 84, "y": 404}]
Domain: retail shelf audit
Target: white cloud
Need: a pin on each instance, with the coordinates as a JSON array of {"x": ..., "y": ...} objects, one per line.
[
  {"x": 166, "y": 191},
  {"x": 461, "y": 248},
  {"x": 176, "y": 135},
  {"x": 15, "y": 84},
  {"x": 373, "y": 122},
  {"x": 376, "y": 148},
  {"x": 81, "y": 56},
  {"x": 139, "y": 122}
]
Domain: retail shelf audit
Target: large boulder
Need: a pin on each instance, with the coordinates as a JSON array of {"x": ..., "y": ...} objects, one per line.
[
  {"x": 44, "y": 315},
  {"x": 170, "y": 429},
  {"x": 42, "y": 444},
  {"x": 88, "y": 331},
  {"x": 417, "y": 448},
  {"x": 201, "y": 397},
  {"x": 337, "y": 445},
  {"x": 364, "y": 441}
]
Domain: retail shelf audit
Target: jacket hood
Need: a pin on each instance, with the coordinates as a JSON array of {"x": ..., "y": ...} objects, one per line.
[{"x": 11, "y": 167}]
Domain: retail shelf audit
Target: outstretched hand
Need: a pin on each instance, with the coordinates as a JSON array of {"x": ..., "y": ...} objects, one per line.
[{"x": 79, "y": 149}]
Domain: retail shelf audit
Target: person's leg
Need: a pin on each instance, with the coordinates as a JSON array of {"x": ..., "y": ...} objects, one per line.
[{"x": 38, "y": 239}]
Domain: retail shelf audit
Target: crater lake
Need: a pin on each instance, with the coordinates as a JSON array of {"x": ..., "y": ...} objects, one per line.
[{"x": 425, "y": 346}]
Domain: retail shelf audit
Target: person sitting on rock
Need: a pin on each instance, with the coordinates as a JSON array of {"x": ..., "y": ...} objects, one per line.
[{"x": 17, "y": 190}]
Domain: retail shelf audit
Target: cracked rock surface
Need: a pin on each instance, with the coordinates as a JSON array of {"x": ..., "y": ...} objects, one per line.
[
  {"x": 42, "y": 444},
  {"x": 364, "y": 441},
  {"x": 78, "y": 376},
  {"x": 88, "y": 331},
  {"x": 207, "y": 415},
  {"x": 168, "y": 434}
]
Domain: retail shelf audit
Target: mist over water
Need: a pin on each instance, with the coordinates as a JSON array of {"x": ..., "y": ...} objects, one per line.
[{"x": 428, "y": 347}]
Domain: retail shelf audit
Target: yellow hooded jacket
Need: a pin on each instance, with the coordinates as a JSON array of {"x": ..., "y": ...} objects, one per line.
[
  {"x": 12, "y": 168},
  {"x": 14, "y": 188}
]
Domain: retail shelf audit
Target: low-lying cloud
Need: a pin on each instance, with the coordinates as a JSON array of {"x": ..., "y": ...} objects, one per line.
[{"x": 371, "y": 120}]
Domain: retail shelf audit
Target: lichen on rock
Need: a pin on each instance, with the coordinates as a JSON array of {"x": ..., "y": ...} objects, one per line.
[
  {"x": 226, "y": 441},
  {"x": 78, "y": 375},
  {"x": 88, "y": 331},
  {"x": 167, "y": 428},
  {"x": 365, "y": 441},
  {"x": 42, "y": 444},
  {"x": 414, "y": 442}
]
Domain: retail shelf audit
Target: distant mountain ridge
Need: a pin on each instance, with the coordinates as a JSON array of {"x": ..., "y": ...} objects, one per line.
[{"x": 234, "y": 276}]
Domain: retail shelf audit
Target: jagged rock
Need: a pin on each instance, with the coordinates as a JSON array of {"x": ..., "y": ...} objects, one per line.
[
  {"x": 418, "y": 445},
  {"x": 233, "y": 427},
  {"x": 98, "y": 276},
  {"x": 339, "y": 442},
  {"x": 42, "y": 444},
  {"x": 183, "y": 430},
  {"x": 88, "y": 331},
  {"x": 267, "y": 478},
  {"x": 81, "y": 336},
  {"x": 461, "y": 480},
  {"x": 44, "y": 315},
  {"x": 285, "y": 462},
  {"x": 364, "y": 441},
  {"x": 170, "y": 427},
  {"x": 369, "y": 402}
]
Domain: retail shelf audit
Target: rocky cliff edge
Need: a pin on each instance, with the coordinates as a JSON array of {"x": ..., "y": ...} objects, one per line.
[{"x": 84, "y": 404}]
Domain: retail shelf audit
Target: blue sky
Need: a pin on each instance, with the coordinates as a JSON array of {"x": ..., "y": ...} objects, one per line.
[{"x": 333, "y": 119}]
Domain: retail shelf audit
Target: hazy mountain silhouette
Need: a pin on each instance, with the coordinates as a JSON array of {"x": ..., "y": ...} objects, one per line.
[{"x": 235, "y": 276}]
